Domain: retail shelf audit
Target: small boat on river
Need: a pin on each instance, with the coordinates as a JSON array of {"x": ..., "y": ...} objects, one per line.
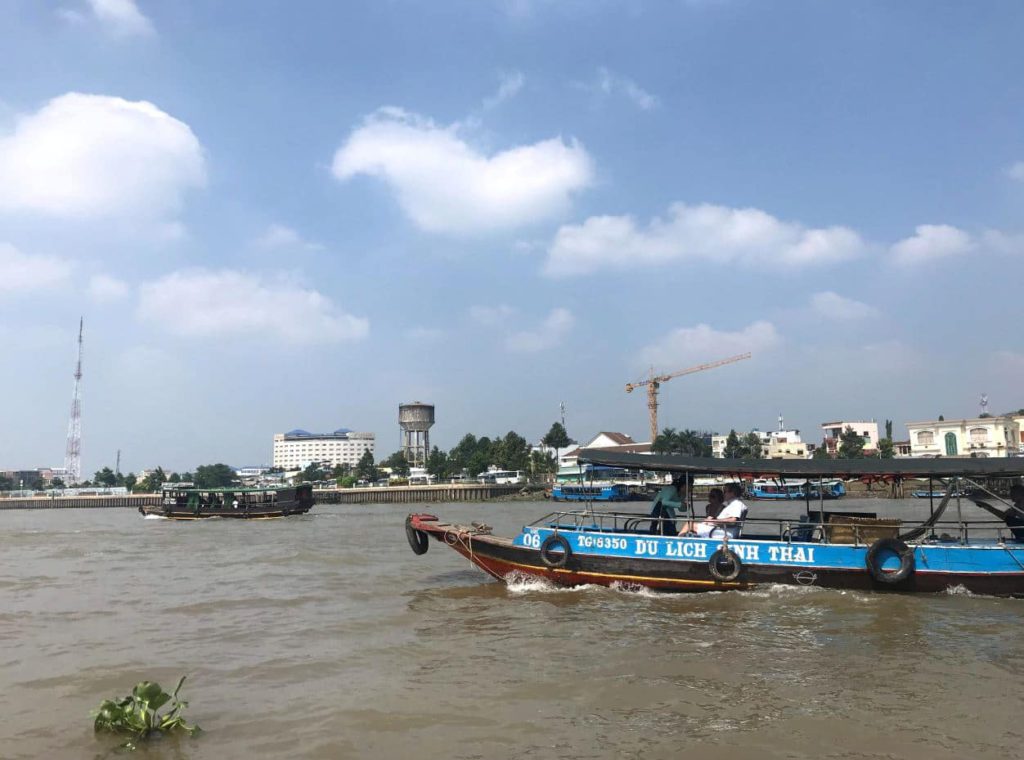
[
  {"x": 186, "y": 502},
  {"x": 842, "y": 550},
  {"x": 590, "y": 492}
]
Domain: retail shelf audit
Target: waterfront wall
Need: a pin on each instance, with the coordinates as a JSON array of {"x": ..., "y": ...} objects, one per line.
[
  {"x": 411, "y": 494},
  {"x": 395, "y": 495},
  {"x": 131, "y": 501}
]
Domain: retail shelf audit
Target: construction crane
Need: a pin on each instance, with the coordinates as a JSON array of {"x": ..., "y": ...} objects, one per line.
[{"x": 653, "y": 382}]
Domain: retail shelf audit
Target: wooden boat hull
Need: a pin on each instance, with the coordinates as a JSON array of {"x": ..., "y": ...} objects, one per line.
[
  {"x": 227, "y": 514},
  {"x": 503, "y": 559}
]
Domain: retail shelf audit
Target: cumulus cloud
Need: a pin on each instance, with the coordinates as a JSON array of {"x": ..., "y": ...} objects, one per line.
[
  {"x": 931, "y": 242},
  {"x": 1016, "y": 171},
  {"x": 121, "y": 18},
  {"x": 279, "y": 236},
  {"x": 511, "y": 83},
  {"x": 834, "y": 306},
  {"x": 1007, "y": 244},
  {"x": 98, "y": 156},
  {"x": 695, "y": 345},
  {"x": 209, "y": 304},
  {"x": 104, "y": 288},
  {"x": 612, "y": 84},
  {"x": 446, "y": 185},
  {"x": 555, "y": 328},
  {"x": 23, "y": 272},
  {"x": 705, "y": 232},
  {"x": 491, "y": 315}
]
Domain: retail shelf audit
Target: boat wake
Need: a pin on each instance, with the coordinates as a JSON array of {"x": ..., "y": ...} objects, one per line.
[
  {"x": 521, "y": 583},
  {"x": 154, "y": 517}
]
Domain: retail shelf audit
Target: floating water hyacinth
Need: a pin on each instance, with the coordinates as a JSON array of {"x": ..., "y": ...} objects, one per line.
[{"x": 139, "y": 714}]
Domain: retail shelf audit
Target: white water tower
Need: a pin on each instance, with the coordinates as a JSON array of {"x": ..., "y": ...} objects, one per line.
[{"x": 416, "y": 419}]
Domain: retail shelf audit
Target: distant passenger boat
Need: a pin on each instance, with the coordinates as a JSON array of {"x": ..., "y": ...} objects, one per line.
[
  {"x": 777, "y": 489},
  {"x": 828, "y": 489},
  {"x": 606, "y": 492},
  {"x": 190, "y": 503}
]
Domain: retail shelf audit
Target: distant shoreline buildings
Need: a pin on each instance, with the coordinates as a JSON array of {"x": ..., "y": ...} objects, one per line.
[{"x": 297, "y": 449}]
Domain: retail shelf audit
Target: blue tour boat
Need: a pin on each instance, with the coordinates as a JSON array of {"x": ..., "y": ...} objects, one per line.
[
  {"x": 590, "y": 492},
  {"x": 818, "y": 548}
]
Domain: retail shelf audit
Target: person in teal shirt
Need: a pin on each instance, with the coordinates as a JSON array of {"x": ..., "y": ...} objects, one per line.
[{"x": 666, "y": 505}]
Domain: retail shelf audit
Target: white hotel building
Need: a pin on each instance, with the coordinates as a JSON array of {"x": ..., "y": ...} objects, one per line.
[{"x": 297, "y": 449}]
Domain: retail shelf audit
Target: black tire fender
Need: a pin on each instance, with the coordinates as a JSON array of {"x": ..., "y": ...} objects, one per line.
[
  {"x": 418, "y": 540},
  {"x": 874, "y": 562},
  {"x": 725, "y": 565},
  {"x": 555, "y": 559}
]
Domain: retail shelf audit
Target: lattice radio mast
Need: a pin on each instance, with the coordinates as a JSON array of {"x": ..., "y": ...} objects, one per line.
[{"x": 73, "y": 452}]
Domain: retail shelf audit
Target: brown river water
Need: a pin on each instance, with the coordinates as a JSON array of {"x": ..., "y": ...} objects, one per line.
[{"x": 323, "y": 636}]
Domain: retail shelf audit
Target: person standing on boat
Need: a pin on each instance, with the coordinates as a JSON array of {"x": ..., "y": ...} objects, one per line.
[
  {"x": 669, "y": 500},
  {"x": 728, "y": 521}
]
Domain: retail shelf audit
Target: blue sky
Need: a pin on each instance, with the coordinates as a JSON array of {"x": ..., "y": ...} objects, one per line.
[{"x": 277, "y": 215}]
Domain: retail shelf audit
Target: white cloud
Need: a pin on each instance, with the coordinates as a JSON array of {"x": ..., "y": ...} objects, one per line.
[
  {"x": 22, "y": 272},
  {"x": 1007, "y": 244},
  {"x": 834, "y": 306},
  {"x": 446, "y": 185},
  {"x": 687, "y": 346},
  {"x": 511, "y": 83},
  {"x": 97, "y": 156},
  {"x": 705, "y": 232},
  {"x": 1016, "y": 171},
  {"x": 491, "y": 315},
  {"x": 104, "y": 288},
  {"x": 931, "y": 242},
  {"x": 555, "y": 328},
  {"x": 202, "y": 303},
  {"x": 279, "y": 236},
  {"x": 422, "y": 334},
  {"x": 609, "y": 83},
  {"x": 121, "y": 18}
]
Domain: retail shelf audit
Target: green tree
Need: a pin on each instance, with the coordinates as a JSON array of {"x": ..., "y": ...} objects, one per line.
[
  {"x": 751, "y": 446},
  {"x": 733, "y": 448},
  {"x": 365, "y": 468},
  {"x": 105, "y": 477},
  {"x": 886, "y": 448},
  {"x": 342, "y": 470},
  {"x": 687, "y": 442},
  {"x": 821, "y": 452},
  {"x": 55, "y": 483},
  {"x": 130, "y": 480},
  {"x": 482, "y": 458},
  {"x": 438, "y": 464},
  {"x": 6, "y": 484},
  {"x": 398, "y": 463},
  {"x": 542, "y": 463},
  {"x": 152, "y": 482},
  {"x": 556, "y": 437},
  {"x": 312, "y": 473},
  {"x": 458, "y": 457},
  {"x": 851, "y": 444},
  {"x": 214, "y": 476},
  {"x": 888, "y": 429},
  {"x": 513, "y": 452}
]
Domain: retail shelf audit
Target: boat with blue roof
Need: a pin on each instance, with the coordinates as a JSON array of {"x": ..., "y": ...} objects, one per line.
[{"x": 819, "y": 547}]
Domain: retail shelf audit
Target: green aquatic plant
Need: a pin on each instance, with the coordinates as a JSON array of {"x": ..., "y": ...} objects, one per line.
[{"x": 138, "y": 714}]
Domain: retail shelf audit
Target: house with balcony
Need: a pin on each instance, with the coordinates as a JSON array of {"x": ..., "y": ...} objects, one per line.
[{"x": 976, "y": 437}]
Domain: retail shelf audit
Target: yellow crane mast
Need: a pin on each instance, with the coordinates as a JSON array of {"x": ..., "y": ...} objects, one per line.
[{"x": 653, "y": 382}]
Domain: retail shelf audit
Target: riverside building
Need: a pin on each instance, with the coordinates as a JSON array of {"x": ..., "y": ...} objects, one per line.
[
  {"x": 977, "y": 437},
  {"x": 297, "y": 449}
]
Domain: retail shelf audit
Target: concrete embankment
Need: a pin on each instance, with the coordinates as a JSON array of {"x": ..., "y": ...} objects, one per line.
[
  {"x": 411, "y": 494},
  {"x": 396, "y": 495},
  {"x": 132, "y": 501}
]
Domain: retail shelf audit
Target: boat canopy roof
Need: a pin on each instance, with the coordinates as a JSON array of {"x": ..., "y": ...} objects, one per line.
[{"x": 869, "y": 469}]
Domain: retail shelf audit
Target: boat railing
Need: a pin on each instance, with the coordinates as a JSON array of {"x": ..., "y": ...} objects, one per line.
[{"x": 786, "y": 530}]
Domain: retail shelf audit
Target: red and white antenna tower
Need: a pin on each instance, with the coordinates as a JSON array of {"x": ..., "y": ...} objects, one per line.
[{"x": 73, "y": 452}]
